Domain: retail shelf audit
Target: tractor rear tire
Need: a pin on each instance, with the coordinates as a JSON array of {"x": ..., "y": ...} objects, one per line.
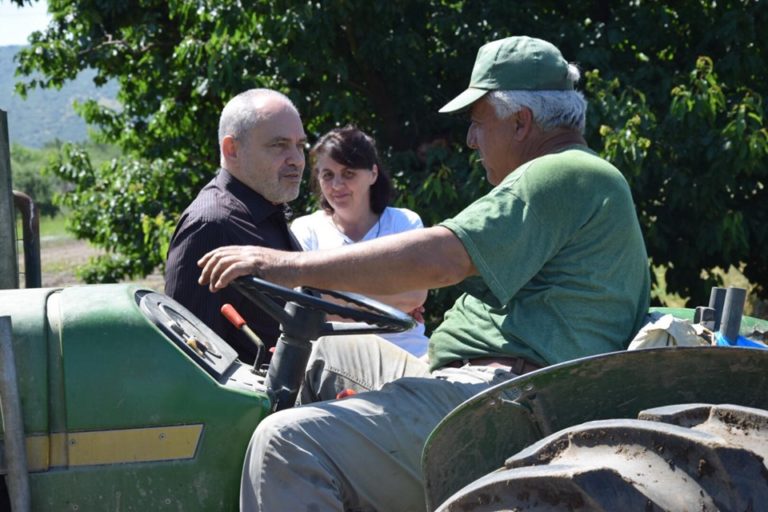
[{"x": 696, "y": 457}]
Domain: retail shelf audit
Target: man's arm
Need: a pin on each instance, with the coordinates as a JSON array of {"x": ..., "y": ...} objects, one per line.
[{"x": 415, "y": 260}]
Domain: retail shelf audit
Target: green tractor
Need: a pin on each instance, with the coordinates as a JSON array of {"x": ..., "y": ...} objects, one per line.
[
  {"x": 117, "y": 409},
  {"x": 122, "y": 400},
  {"x": 116, "y": 397}
]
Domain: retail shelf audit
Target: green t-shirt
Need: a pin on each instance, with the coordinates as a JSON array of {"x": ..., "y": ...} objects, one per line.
[{"x": 563, "y": 268}]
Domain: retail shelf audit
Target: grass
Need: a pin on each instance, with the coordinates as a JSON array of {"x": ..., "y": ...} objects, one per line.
[{"x": 54, "y": 227}]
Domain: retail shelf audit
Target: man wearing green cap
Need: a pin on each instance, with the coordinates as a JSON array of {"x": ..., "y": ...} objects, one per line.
[{"x": 553, "y": 267}]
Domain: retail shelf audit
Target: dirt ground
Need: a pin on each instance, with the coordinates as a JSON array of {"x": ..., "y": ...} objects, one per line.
[{"x": 61, "y": 256}]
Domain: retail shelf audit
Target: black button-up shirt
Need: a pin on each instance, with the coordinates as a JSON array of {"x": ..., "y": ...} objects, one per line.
[{"x": 225, "y": 212}]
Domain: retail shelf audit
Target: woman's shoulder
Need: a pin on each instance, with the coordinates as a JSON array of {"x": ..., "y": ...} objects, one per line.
[
  {"x": 402, "y": 217},
  {"x": 308, "y": 228},
  {"x": 404, "y": 213},
  {"x": 309, "y": 220}
]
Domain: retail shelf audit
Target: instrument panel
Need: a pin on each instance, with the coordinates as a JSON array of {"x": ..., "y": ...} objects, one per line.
[{"x": 190, "y": 334}]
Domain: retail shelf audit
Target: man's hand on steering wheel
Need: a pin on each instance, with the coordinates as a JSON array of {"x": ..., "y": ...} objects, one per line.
[
  {"x": 224, "y": 264},
  {"x": 266, "y": 272},
  {"x": 372, "y": 316}
]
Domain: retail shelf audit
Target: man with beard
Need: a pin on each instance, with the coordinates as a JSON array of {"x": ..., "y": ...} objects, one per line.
[{"x": 261, "y": 141}]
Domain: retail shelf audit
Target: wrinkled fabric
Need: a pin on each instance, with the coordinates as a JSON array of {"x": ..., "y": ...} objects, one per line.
[
  {"x": 669, "y": 331},
  {"x": 363, "y": 452}
]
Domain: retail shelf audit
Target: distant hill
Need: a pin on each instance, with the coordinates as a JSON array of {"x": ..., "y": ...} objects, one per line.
[{"x": 47, "y": 115}]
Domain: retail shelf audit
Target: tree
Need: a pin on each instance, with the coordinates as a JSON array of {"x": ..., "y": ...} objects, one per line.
[
  {"x": 40, "y": 186},
  {"x": 673, "y": 88}
]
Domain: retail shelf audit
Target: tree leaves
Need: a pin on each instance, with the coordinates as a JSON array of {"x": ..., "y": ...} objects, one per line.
[{"x": 676, "y": 94}]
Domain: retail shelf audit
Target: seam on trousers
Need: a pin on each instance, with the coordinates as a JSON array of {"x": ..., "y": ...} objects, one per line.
[{"x": 367, "y": 385}]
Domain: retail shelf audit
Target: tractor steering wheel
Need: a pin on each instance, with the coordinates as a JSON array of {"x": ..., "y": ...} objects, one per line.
[
  {"x": 369, "y": 316},
  {"x": 303, "y": 320}
]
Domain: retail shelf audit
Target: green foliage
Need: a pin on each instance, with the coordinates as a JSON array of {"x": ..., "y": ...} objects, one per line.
[
  {"x": 676, "y": 92},
  {"x": 106, "y": 204},
  {"x": 29, "y": 176},
  {"x": 36, "y": 173},
  {"x": 694, "y": 145}
]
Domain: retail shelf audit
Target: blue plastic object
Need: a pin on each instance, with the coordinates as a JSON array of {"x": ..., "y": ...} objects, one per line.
[{"x": 740, "y": 341}]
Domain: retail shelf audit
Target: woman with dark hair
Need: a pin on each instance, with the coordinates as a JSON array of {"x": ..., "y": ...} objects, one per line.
[{"x": 354, "y": 192}]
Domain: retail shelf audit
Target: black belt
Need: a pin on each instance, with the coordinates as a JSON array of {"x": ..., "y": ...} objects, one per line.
[{"x": 516, "y": 365}]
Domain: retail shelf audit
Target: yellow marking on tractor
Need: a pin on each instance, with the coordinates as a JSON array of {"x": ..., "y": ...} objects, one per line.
[
  {"x": 112, "y": 446},
  {"x": 38, "y": 455}
]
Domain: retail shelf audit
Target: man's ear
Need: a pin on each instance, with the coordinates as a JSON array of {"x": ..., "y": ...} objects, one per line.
[
  {"x": 523, "y": 123},
  {"x": 229, "y": 147}
]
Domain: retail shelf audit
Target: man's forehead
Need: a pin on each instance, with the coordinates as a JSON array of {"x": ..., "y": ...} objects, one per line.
[
  {"x": 297, "y": 137},
  {"x": 480, "y": 107},
  {"x": 282, "y": 124}
]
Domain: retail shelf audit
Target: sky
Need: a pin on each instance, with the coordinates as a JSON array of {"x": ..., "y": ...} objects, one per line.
[{"x": 17, "y": 23}]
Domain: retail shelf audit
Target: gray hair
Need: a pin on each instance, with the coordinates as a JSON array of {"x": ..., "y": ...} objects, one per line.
[
  {"x": 241, "y": 113},
  {"x": 550, "y": 109}
]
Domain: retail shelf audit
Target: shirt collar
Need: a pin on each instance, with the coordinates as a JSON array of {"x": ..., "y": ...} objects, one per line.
[{"x": 255, "y": 203}]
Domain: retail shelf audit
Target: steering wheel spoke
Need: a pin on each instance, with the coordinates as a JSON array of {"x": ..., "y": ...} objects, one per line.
[
  {"x": 304, "y": 319},
  {"x": 370, "y": 316}
]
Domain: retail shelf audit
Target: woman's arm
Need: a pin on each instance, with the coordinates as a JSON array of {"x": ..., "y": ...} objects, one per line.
[{"x": 406, "y": 301}]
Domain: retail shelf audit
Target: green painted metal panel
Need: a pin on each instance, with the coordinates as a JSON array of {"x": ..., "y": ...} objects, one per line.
[
  {"x": 102, "y": 365},
  {"x": 30, "y": 345},
  {"x": 683, "y": 313},
  {"x": 479, "y": 435},
  {"x": 117, "y": 363},
  {"x": 177, "y": 486}
]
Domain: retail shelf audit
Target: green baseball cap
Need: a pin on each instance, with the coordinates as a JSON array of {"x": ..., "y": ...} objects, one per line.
[{"x": 516, "y": 63}]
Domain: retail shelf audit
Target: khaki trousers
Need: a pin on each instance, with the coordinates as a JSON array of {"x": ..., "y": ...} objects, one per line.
[{"x": 363, "y": 452}]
